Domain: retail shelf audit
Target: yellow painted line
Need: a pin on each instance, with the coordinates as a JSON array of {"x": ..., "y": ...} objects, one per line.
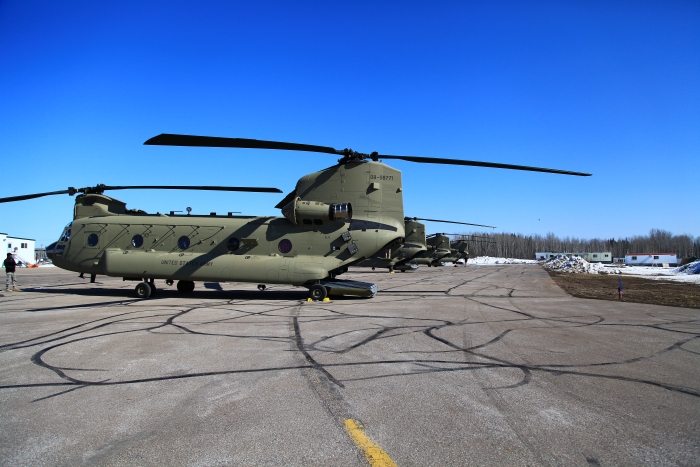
[{"x": 376, "y": 456}]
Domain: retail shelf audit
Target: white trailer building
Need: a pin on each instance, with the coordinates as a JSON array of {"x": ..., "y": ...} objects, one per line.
[
  {"x": 652, "y": 259},
  {"x": 22, "y": 249},
  {"x": 599, "y": 257}
]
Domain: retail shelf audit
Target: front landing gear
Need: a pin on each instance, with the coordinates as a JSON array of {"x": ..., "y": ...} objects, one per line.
[
  {"x": 185, "y": 286},
  {"x": 143, "y": 290}
]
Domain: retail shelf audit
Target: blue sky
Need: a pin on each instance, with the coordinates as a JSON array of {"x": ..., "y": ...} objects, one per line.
[{"x": 610, "y": 88}]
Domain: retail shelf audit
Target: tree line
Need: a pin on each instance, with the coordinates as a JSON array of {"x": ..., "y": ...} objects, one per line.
[{"x": 525, "y": 246}]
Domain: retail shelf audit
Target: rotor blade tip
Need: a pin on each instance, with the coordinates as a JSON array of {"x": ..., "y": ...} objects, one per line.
[{"x": 153, "y": 141}]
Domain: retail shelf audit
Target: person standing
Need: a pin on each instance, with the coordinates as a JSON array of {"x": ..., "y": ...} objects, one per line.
[{"x": 10, "y": 265}]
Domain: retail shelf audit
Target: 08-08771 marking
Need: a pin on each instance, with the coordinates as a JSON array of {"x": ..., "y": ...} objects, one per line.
[{"x": 173, "y": 262}]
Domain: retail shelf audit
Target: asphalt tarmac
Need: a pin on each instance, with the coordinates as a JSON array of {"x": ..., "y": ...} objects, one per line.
[{"x": 445, "y": 366}]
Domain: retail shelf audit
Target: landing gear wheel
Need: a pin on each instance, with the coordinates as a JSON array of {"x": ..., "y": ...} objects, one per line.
[
  {"x": 143, "y": 290},
  {"x": 185, "y": 286},
  {"x": 317, "y": 292},
  {"x": 152, "y": 285},
  {"x": 261, "y": 287}
]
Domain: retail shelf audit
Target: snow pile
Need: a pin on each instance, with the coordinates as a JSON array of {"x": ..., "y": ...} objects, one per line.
[
  {"x": 576, "y": 264},
  {"x": 690, "y": 268}
]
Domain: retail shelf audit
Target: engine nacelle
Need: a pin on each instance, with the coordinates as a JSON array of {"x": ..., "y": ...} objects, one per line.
[{"x": 299, "y": 211}]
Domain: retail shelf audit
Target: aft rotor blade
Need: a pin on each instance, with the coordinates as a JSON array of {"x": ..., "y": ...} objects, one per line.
[
  {"x": 35, "y": 195},
  {"x": 205, "y": 188},
  {"x": 465, "y": 235},
  {"x": 436, "y": 160},
  {"x": 167, "y": 139},
  {"x": 451, "y": 222}
]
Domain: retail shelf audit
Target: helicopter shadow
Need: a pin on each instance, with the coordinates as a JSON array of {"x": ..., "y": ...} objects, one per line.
[{"x": 160, "y": 294}]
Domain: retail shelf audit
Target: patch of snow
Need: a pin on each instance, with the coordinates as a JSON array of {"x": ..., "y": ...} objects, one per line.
[
  {"x": 497, "y": 260},
  {"x": 576, "y": 264},
  {"x": 690, "y": 268}
]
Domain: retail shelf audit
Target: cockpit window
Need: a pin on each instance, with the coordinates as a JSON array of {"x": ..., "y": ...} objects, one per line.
[{"x": 65, "y": 236}]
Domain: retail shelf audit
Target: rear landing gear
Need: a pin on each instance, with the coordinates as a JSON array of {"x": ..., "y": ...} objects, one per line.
[
  {"x": 185, "y": 286},
  {"x": 317, "y": 292}
]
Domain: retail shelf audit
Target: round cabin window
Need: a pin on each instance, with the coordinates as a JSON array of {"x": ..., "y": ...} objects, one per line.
[
  {"x": 233, "y": 244},
  {"x": 137, "y": 241},
  {"x": 183, "y": 242},
  {"x": 285, "y": 246},
  {"x": 93, "y": 239}
]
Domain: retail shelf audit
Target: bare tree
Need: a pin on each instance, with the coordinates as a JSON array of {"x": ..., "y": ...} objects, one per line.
[{"x": 525, "y": 246}]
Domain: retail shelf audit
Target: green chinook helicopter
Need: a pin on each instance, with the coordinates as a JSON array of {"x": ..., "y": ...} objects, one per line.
[
  {"x": 459, "y": 250},
  {"x": 438, "y": 248},
  {"x": 399, "y": 258},
  {"x": 335, "y": 218}
]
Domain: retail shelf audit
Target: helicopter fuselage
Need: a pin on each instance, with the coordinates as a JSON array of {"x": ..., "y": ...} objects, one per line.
[
  {"x": 251, "y": 249},
  {"x": 301, "y": 248}
]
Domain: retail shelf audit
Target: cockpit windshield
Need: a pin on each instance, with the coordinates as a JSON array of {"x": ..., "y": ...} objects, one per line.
[{"x": 65, "y": 236}]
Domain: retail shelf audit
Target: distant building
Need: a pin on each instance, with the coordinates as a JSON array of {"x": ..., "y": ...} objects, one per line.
[
  {"x": 599, "y": 257},
  {"x": 595, "y": 257},
  {"x": 652, "y": 259},
  {"x": 21, "y": 248},
  {"x": 40, "y": 255}
]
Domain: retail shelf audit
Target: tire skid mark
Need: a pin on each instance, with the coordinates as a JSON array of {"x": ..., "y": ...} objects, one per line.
[
  {"x": 464, "y": 367},
  {"x": 61, "y": 331},
  {"x": 299, "y": 340}
]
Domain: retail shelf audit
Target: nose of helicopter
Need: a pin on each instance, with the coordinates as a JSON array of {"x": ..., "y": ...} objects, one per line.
[{"x": 50, "y": 250}]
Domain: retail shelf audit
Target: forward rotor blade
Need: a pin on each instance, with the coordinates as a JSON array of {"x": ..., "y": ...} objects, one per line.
[
  {"x": 204, "y": 188},
  {"x": 101, "y": 188},
  {"x": 167, "y": 139},
  {"x": 451, "y": 222},
  {"x": 436, "y": 160},
  {"x": 35, "y": 195}
]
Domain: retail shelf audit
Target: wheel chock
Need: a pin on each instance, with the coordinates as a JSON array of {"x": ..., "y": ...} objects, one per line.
[
  {"x": 326, "y": 299},
  {"x": 309, "y": 300}
]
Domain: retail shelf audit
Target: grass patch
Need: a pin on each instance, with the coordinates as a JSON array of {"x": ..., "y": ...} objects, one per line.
[{"x": 636, "y": 289}]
